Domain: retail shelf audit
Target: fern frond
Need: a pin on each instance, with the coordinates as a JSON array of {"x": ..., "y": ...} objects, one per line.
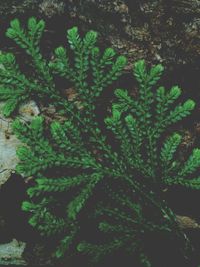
[
  {"x": 97, "y": 252},
  {"x": 169, "y": 148},
  {"x": 189, "y": 183},
  {"x": 57, "y": 184},
  {"x": 192, "y": 164},
  {"x": 165, "y": 99},
  {"x": 124, "y": 102},
  {"x": 61, "y": 64},
  {"x": 180, "y": 112},
  {"x": 146, "y": 80},
  {"x": 70, "y": 161},
  {"x": 78, "y": 202},
  {"x": 109, "y": 228},
  {"x": 65, "y": 243}
]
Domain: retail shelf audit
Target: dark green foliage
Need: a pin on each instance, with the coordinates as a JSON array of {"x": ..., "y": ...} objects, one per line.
[{"x": 71, "y": 161}]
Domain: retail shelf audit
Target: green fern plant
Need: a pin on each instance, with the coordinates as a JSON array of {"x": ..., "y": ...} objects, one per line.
[{"x": 72, "y": 161}]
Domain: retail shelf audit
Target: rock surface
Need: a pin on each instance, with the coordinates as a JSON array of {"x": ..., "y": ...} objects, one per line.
[
  {"x": 9, "y": 142},
  {"x": 11, "y": 253}
]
